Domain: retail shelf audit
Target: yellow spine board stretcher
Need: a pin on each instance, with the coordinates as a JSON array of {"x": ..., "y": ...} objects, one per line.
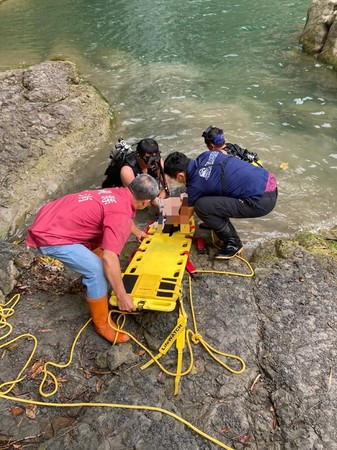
[
  {"x": 154, "y": 275},
  {"x": 153, "y": 278}
]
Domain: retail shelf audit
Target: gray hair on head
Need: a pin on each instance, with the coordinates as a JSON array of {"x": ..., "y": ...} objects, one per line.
[{"x": 144, "y": 187}]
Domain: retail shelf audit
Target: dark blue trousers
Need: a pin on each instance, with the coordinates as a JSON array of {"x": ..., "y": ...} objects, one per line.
[{"x": 216, "y": 211}]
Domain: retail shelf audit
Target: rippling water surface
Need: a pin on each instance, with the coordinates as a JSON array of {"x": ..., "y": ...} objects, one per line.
[{"x": 170, "y": 68}]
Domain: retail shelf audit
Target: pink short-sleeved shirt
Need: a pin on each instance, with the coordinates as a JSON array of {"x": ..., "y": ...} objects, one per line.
[{"x": 94, "y": 218}]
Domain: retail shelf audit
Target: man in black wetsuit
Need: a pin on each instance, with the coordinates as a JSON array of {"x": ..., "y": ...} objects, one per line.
[{"x": 146, "y": 159}]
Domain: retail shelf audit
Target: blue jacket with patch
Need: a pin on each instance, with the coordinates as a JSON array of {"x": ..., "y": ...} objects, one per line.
[{"x": 215, "y": 174}]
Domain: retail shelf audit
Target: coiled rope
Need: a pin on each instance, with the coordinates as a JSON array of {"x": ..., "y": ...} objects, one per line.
[{"x": 7, "y": 310}]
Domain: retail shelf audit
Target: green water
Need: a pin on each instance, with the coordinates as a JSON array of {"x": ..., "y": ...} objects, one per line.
[{"x": 170, "y": 68}]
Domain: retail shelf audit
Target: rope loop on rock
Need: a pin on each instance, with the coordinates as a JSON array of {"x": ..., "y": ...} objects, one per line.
[{"x": 9, "y": 385}]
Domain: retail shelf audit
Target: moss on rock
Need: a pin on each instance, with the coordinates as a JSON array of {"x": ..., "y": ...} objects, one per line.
[{"x": 323, "y": 244}]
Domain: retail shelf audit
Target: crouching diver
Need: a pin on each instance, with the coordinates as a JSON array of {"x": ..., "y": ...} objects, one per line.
[
  {"x": 126, "y": 164},
  {"x": 146, "y": 159},
  {"x": 215, "y": 141},
  {"x": 221, "y": 186}
]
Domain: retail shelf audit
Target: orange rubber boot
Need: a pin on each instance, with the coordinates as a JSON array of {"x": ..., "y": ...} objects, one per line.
[{"x": 99, "y": 312}]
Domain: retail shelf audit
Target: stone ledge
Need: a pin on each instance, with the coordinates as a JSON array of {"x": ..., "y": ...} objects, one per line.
[{"x": 51, "y": 123}]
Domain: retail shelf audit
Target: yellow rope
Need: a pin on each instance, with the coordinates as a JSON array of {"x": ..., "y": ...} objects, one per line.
[
  {"x": 197, "y": 338},
  {"x": 121, "y": 406},
  {"x": 47, "y": 373},
  {"x": 250, "y": 274},
  {"x": 153, "y": 357},
  {"x": 6, "y": 311},
  {"x": 185, "y": 336}
]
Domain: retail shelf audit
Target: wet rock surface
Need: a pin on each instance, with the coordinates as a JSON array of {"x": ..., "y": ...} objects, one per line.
[
  {"x": 282, "y": 322},
  {"x": 319, "y": 36}
]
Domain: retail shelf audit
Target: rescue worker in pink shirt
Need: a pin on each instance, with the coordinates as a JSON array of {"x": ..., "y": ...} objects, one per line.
[{"x": 71, "y": 228}]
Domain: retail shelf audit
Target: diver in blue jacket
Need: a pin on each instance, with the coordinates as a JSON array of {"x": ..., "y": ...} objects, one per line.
[{"x": 221, "y": 186}]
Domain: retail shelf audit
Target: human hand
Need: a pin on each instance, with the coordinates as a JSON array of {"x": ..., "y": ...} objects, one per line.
[
  {"x": 125, "y": 303},
  {"x": 140, "y": 235}
]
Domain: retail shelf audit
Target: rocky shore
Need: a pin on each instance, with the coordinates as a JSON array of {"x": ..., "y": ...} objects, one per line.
[
  {"x": 52, "y": 124},
  {"x": 282, "y": 322},
  {"x": 319, "y": 37}
]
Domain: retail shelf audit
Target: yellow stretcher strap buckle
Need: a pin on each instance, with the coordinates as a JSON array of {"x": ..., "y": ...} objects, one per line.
[{"x": 173, "y": 337}]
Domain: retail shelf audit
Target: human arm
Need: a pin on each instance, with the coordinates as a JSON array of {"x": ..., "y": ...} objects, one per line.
[
  {"x": 113, "y": 274},
  {"x": 127, "y": 175}
]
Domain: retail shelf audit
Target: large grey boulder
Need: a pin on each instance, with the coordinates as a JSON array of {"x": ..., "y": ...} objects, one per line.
[
  {"x": 319, "y": 36},
  {"x": 51, "y": 123}
]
